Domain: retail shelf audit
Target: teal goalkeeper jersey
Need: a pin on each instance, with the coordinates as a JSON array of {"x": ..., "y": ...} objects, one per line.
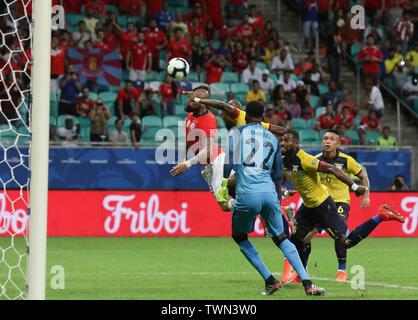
[{"x": 255, "y": 155}]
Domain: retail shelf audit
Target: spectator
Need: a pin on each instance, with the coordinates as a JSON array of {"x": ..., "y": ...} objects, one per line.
[
  {"x": 239, "y": 58},
  {"x": 373, "y": 96},
  {"x": 266, "y": 83},
  {"x": 179, "y": 46},
  {"x": 400, "y": 74},
  {"x": 70, "y": 87},
  {"x": 344, "y": 140},
  {"x": 287, "y": 83},
  {"x": 139, "y": 59},
  {"x": 90, "y": 20},
  {"x": 97, "y": 8},
  {"x": 197, "y": 54},
  {"x": 398, "y": 184},
  {"x": 385, "y": 54},
  {"x": 373, "y": 29},
  {"x": 111, "y": 30},
  {"x": 164, "y": 17},
  {"x": 347, "y": 102},
  {"x": 283, "y": 113},
  {"x": 279, "y": 93},
  {"x": 309, "y": 9},
  {"x": 370, "y": 55},
  {"x": 334, "y": 95},
  {"x": 148, "y": 106},
  {"x": 254, "y": 18},
  {"x": 410, "y": 91},
  {"x": 244, "y": 30},
  {"x": 334, "y": 42},
  {"x": 293, "y": 106},
  {"x": 404, "y": 30},
  {"x": 101, "y": 42},
  {"x": 251, "y": 73},
  {"x": 386, "y": 140},
  {"x": 210, "y": 32},
  {"x": 326, "y": 120},
  {"x": 127, "y": 40},
  {"x": 131, "y": 8},
  {"x": 167, "y": 94},
  {"x": 316, "y": 75},
  {"x": 373, "y": 9},
  {"x": 156, "y": 41},
  {"x": 392, "y": 60},
  {"x": 214, "y": 9},
  {"x": 117, "y": 136},
  {"x": 412, "y": 56},
  {"x": 178, "y": 23},
  {"x": 255, "y": 94},
  {"x": 306, "y": 111},
  {"x": 84, "y": 104},
  {"x": 391, "y": 16},
  {"x": 197, "y": 11},
  {"x": 57, "y": 63},
  {"x": 349, "y": 36},
  {"x": 216, "y": 66},
  {"x": 82, "y": 35},
  {"x": 208, "y": 53},
  {"x": 99, "y": 116},
  {"x": 136, "y": 130},
  {"x": 268, "y": 53},
  {"x": 305, "y": 64},
  {"x": 301, "y": 92},
  {"x": 369, "y": 122},
  {"x": 270, "y": 116},
  {"x": 310, "y": 85},
  {"x": 228, "y": 29},
  {"x": 196, "y": 28},
  {"x": 69, "y": 132},
  {"x": 282, "y": 63},
  {"x": 10, "y": 98},
  {"x": 123, "y": 103},
  {"x": 345, "y": 118}
]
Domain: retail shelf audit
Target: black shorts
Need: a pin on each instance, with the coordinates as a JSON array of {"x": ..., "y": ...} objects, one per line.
[{"x": 324, "y": 217}]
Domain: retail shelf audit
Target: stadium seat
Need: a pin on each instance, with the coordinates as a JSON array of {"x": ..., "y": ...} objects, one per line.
[
  {"x": 115, "y": 88},
  {"x": 321, "y": 134},
  {"x": 103, "y": 88},
  {"x": 171, "y": 121},
  {"x": 261, "y": 65},
  {"x": 180, "y": 112},
  {"x": 149, "y": 134},
  {"x": 52, "y": 121},
  {"x": 93, "y": 96},
  {"x": 273, "y": 77},
  {"x": 311, "y": 123},
  {"x": 24, "y": 130},
  {"x": 229, "y": 77},
  {"x": 319, "y": 111},
  {"x": 152, "y": 121},
  {"x": 314, "y": 101},
  {"x": 293, "y": 76},
  {"x": 356, "y": 122},
  {"x": 53, "y": 97},
  {"x": 152, "y": 76},
  {"x": 111, "y": 122},
  {"x": 7, "y": 133},
  {"x": 161, "y": 76},
  {"x": 308, "y": 136},
  {"x": 84, "y": 134},
  {"x": 352, "y": 134},
  {"x": 216, "y": 44},
  {"x": 239, "y": 88},
  {"x": 73, "y": 18},
  {"x": 371, "y": 137},
  {"x": 299, "y": 123},
  {"x": 108, "y": 97},
  {"x": 221, "y": 86},
  {"x": 354, "y": 50},
  {"x": 322, "y": 89},
  {"x": 241, "y": 97},
  {"x": 61, "y": 120},
  {"x": 113, "y": 9},
  {"x": 193, "y": 77}
]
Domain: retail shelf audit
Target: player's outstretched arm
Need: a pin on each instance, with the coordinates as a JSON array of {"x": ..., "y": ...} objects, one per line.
[
  {"x": 220, "y": 105},
  {"x": 277, "y": 130},
  {"x": 365, "y": 201},
  {"x": 340, "y": 175}
]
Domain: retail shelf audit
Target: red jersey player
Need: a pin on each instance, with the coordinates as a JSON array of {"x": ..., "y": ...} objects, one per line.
[{"x": 200, "y": 134}]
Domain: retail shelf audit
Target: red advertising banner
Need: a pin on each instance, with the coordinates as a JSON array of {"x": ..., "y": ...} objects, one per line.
[{"x": 172, "y": 213}]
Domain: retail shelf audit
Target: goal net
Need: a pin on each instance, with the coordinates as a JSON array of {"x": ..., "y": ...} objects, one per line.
[{"x": 15, "y": 144}]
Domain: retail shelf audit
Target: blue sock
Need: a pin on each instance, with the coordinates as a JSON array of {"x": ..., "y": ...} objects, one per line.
[
  {"x": 362, "y": 231},
  {"x": 251, "y": 253},
  {"x": 291, "y": 254}
]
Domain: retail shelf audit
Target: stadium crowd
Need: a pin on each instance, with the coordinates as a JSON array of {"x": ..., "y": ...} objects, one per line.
[{"x": 229, "y": 46}]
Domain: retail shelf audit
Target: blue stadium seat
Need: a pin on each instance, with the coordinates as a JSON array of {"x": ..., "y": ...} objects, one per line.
[
  {"x": 299, "y": 123},
  {"x": 149, "y": 134},
  {"x": 61, "y": 120},
  {"x": 311, "y": 123},
  {"x": 356, "y": 122},
  {"x": 319, "y": 111},
  {"x": 314, "y": 101},
  {"x": 322, "y": 89},
  {"x": 352, "y": 134},
  {"x": 152, "y": 121},
  {"x": 239, "y": 88},
  {"x": 371, "y": 137},
  {"x": 221, "y": 86},
  {"x": 229, "y": 77},
  {"x": 308, "y": 136},
  {"x": 108, "y": 97},
  {"x": 171, "y": 121}
]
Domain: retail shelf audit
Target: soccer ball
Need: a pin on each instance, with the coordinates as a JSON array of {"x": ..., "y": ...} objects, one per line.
[{"x": 178, "y": 68}]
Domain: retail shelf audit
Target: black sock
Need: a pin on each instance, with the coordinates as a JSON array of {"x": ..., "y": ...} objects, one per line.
[
  {"x": 307, "y": 284},
  {"x": 341, "y": 252},
  {"x": 361, "y": 232},
  {"x": 308, "y": 248},
  {"x": 301, "y": 247}
]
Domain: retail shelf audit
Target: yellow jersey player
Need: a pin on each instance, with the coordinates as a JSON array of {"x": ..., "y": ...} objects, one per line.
[
  {"x": 338, "y": 190},
  {"x": 318, "y": 209}
]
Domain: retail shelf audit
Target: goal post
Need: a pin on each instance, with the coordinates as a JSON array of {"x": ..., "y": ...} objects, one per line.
[{"x": 39, "y": 155}]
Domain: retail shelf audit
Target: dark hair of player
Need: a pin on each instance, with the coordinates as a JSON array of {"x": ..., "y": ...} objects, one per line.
[
  {"x": 293, "y": 133},
  {"x": 333, "y": 131},
  {"x": 255, "y": 109}
]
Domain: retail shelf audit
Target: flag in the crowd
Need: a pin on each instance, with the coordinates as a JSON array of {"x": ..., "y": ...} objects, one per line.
[{"x": 101, "y": 66}]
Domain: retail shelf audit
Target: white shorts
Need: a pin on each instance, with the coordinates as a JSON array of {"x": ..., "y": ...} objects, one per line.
[
  {"x": 214, "y": 172},
  {"x": 137, "y": 75}
]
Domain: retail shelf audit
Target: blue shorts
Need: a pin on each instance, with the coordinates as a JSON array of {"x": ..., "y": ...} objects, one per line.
[{"x": 248, "y": 206}]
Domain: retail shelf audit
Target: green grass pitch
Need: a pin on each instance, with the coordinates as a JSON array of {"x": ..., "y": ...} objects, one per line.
[{"x": 178, "y": 268}]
